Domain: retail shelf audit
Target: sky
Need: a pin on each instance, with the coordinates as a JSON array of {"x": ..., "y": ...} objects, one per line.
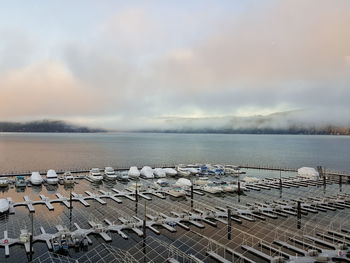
[{"x": 129, "y": 65}]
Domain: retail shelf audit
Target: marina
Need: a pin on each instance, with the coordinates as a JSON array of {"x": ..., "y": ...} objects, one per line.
[{"x": 275, "y": 219}]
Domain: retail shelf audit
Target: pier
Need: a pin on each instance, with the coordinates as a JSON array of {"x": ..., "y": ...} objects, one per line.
[{"x": 287, "y": 219}]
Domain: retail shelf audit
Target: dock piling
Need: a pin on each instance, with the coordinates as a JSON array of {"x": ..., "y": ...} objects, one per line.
[
  {"x": 192, "y": 196},
  {"x": 299, "y": 214},
  {"x": 229, "y": 224}
]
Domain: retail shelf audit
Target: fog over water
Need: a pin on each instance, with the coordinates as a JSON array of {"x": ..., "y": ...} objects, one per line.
[{"x": 23, "y": 152}]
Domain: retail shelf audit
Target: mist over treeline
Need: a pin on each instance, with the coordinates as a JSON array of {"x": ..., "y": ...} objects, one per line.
[
  {"x": 45, "y": 126},
  {"x": 291, "y": 122}
]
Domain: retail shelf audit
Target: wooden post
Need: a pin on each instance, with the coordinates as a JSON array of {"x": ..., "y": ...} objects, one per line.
[
  {"x": 31, "y": 238},
  {"x": 136, "y": 194},
  {"x": 229, "y": 224},
  {"x": 70, "y": 210},
  {"x": 192, "y": 195},
  {"x": 299, "y": 214}
]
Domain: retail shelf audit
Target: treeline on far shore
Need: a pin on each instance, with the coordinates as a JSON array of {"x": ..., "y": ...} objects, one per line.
[{"x": 45, "y": 126}]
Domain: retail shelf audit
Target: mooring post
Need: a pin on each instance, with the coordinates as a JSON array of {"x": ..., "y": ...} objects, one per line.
[
  {"x": 229, "y": 224},
  {"x": 31, "y": 238},
  {"x": 136, "y": 194},
  {"x": 281, "y": 179},
  {"x": 70, "y": 211},
  {"x": 239, "y": 187},
  {"x": 192, "y": 195},
  {"x": 144, "y": 223},
  {"x": 299, "y": 214}
]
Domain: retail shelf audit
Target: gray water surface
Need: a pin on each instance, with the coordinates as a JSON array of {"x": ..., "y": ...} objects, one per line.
[{"x": 40, "y": 151}]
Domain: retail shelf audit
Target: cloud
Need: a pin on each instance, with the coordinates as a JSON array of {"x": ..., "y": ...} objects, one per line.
[
  {"x": 139, "y": 65},
  {"x": 43, "y": 90}
]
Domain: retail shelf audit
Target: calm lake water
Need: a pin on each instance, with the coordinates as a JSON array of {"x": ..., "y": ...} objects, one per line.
[{"x": 37, "y": 151}]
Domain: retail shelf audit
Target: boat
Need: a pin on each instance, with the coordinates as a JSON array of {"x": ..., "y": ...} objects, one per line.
[
  {"x": 177, "y": 192},
  {"x": 4, "y": 182},
  {"x": 170, "y": 171},
  {"x": 51, "y": 177},
  {"x": 248, "y": 179},
  {"x": 147, "y": 172},
  {"x": 159, "y": 173},
  {"x": 162, "y": 182},
  {"x": 183, "y": 182},
  {"x": 233, "y": 170},
  {"x": 68, "y": 178},
  {"x": 308, "y": 173},
  {"x": 201, "y": 181},
  {"x": 20, "y": 181},
  {"x": 4, "y": 205},
  {"x": 110, "y": 174},
  {"x": 122, "y": 176},
  {"x": 134, "y": 173},
  {"x": 183, "y": 171},
  {"x": 95, "y": 175},
  {"x": 36, "y": 179},
  {"x": 211, "y": 189},
  {"x": 230, "y": 188},
  {"x": 219, "y": 170}
]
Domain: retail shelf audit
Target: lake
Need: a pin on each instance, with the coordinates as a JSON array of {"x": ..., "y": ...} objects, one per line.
[{"x": 41, "y": 151}]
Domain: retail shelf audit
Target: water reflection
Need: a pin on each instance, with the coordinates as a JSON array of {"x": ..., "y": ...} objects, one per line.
[
  {"x": 4, "y": 189},
  {"x": 51, "y": 189},
  {"x": 36, "y": 189}
]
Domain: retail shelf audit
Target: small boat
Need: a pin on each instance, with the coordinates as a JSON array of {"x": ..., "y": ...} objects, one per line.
[
  {"x": 183, "y": 171},
  {"x": 230, "y": 188},
  {"x": 147, "y": 172},
  {"x": 4, "y": 182},
  {"x": 68, "y": 178},
  {"x": 211, "y": 189},
  {"x": 4, "y": 205},
  {"x": 219, "y": 170},
  {"x": 110, "y": 174},
  {"x": 20, "y": 181},
  {"x": 134, "y": 173},
  {"x": 36, "y": 179},
  {"x": 233, "y": 169},
  {"x": 159, "y": 173},
  {"x": 162, "y": 182},
  {"x": 170, "y": 171},
  {"x": 201, "y": 181},
  {"x": 51, "y": 177},
  {"x": 95, "y": 175},
  {"x": 177, "y": 192},
  {"x": 24, "y": 236},
  {"x": 248, "y": 179},
  {"x": 123, "y": 176}
]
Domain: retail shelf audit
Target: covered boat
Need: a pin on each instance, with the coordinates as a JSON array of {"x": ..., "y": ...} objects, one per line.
[
  {"x": 36, "y": 179},
  {"x": 147, "y": 172},
  {"x": 309, "y": 173},
  {"x": 162, "y": 182},
  {"x": 134, "y": 173},
  {"x": 159, "y": 173},
  {"x": 183, "y": 182},
  {"x": 170, "y": 171},
  {"x": 110, "y": 173},
  {"x": 51, "y": 177},
  {"x": 4, "y": 205},
  {"x": 248, "y": 179}
]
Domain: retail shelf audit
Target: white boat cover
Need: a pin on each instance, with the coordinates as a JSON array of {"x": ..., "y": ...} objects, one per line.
[
  {"x": 308, "y": 172},
  {"x": 183, "y": 182}
]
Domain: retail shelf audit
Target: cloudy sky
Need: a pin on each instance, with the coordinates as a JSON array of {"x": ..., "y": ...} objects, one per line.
[{"x": 138, "y": 64}]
